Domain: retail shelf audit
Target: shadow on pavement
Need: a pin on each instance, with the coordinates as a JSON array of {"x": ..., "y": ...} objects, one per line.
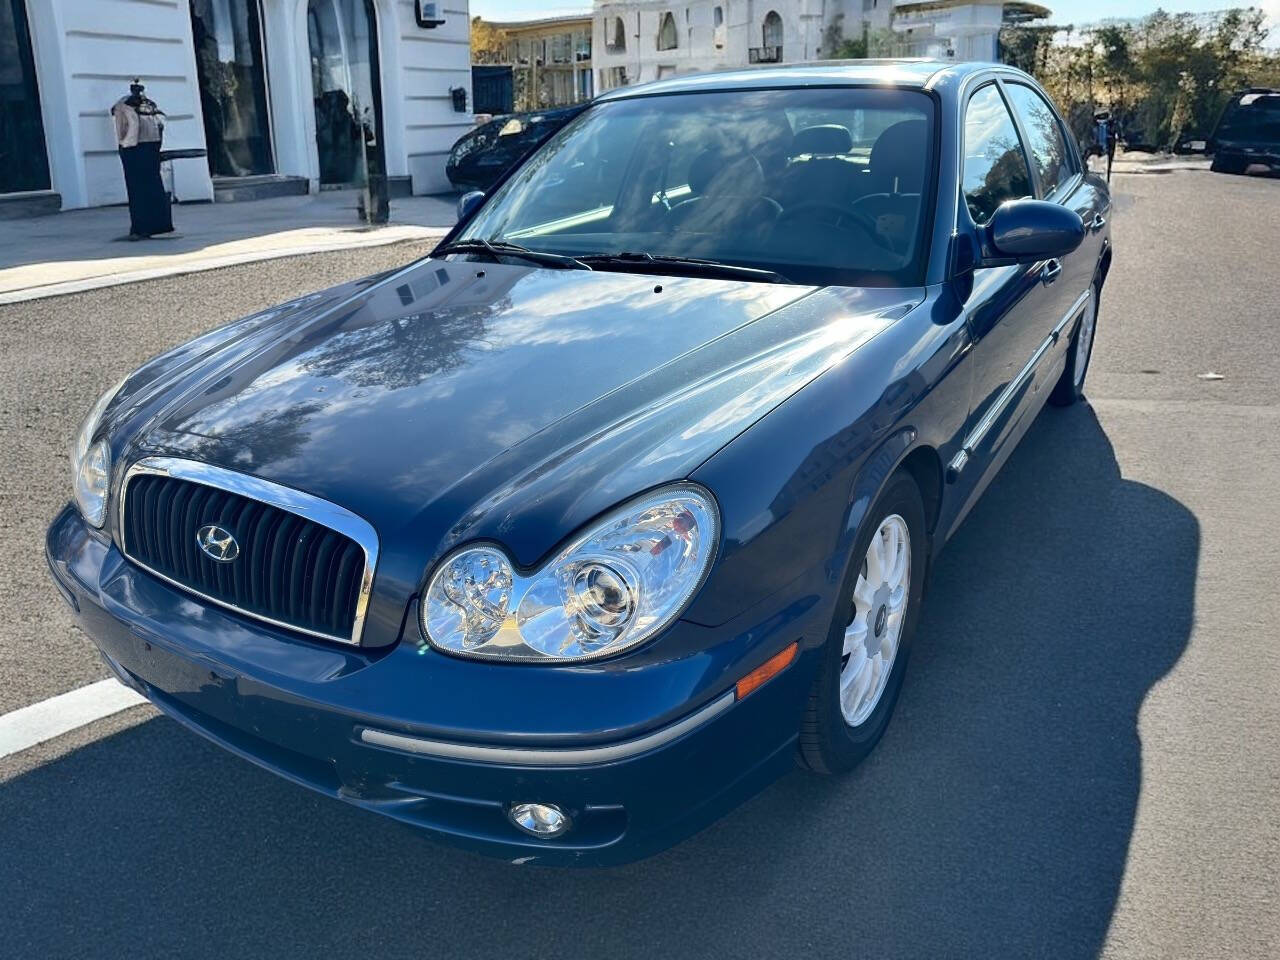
[{"x": 994, "y": 819}]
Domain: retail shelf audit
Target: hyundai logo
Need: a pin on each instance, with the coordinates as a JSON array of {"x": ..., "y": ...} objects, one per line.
[{"x": 218, "y": 544}]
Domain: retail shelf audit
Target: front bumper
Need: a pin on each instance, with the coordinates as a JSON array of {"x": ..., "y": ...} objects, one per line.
[
  {"x": 309, "y": 712},
  {"x": 1244, "y": 157}
]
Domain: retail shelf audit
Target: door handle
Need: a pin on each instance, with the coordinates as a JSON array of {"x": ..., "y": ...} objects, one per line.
[
  {"x": 1097, "y": 223},
  {"x": 1051, "y": 271}
]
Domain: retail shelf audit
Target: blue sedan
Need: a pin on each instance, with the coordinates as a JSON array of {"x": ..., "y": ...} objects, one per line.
[{"x": 564, "y": 540}]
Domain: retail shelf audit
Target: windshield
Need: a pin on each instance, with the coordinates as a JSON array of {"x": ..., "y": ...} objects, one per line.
[
  {"x": 821, "y": 186},
  {"x": 1255, "y": 117}
]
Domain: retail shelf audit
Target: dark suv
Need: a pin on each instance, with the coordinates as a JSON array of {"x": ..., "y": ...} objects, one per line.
[{"x": 1248, "y": 132}]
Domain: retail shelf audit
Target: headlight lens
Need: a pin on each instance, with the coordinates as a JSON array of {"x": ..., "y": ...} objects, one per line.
[
  {"x": 617, "y": 584},
  {"x": 91, "y": 463}
]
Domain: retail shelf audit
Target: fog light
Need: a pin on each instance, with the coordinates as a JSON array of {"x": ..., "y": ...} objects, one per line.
[{"x": 544, "y": 820}]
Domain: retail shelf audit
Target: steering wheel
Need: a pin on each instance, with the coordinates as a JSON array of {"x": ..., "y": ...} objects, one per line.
[{"x": 838, "y": 217}]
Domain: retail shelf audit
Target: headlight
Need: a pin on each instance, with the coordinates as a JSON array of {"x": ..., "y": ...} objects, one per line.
[
  {"x": 91, "y": 463},
  {"x": 617, "y": 584}
]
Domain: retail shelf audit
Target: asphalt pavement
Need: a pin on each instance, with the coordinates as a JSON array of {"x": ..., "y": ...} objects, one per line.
[{"x": 1085, "y": 759}]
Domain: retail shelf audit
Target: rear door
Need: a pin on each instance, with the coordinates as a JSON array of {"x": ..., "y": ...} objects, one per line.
[
  {"x": 1060, "y": 179},
  {"x": 1009, "y": 307}
]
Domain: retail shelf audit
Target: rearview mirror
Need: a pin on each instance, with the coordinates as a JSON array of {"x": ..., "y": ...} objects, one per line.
[
  {"x": 468, "y": 202},
  {"x": 1024, "y": 231}
]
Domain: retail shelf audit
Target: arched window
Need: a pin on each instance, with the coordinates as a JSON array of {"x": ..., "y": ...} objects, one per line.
[
  {"x": 616, "y": 38},
  {"x": 233, "y": 86},
  {"x": 718, "y": 17},
  {"x": 772, "y": 29},
  {"x": 24, "y": 164},
  {"x": 668, "y": 39}
]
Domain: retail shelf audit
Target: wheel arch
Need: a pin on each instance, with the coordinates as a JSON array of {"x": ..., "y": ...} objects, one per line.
[
  {"x": 1104, "y": 267},
  {"x": 901, "y": 452}
]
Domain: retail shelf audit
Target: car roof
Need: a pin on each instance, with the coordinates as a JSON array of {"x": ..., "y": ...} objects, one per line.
[{"x": 900, "y": 73}]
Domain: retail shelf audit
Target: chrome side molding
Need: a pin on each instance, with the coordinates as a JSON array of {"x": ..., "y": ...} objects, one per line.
[
  {"x": 546, "y": 756},
  {"x": 983, "y": 427}
]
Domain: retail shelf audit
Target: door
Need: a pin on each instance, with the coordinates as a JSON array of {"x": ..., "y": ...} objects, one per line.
[
  {"x": 1059, "y": 179},
  {"x": 233, "y": 86},
  {"x": 345, "y": 83},
  {"x": 1009, "y": 308},
  {"x": 24, "y": 163}
]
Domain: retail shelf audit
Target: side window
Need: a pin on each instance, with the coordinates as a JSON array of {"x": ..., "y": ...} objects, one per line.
[
  {"x": 1044, "y": 136},
  {"x": 995, "y": 167}
]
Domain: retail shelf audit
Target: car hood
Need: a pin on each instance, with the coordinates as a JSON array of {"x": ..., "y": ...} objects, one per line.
[{"x": 456, "y": 400}]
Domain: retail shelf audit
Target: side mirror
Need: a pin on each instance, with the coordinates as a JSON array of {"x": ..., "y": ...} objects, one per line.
[
  {"x": 468, "y": 202},
  {"x": 1024, "y": 231}
]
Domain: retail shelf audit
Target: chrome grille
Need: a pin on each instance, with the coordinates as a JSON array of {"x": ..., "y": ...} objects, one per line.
[{"x": 297, "y": 561}]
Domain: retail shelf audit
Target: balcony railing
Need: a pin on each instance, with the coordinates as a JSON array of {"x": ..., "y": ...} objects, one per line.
[{"x": 764, "y": 54}]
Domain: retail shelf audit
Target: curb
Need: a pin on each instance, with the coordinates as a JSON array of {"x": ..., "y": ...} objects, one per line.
[{"x": 65, "y": 287}]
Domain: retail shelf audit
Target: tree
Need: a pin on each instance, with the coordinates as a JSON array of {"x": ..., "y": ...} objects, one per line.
[
  {"x": 488, "y": 42},
  {"x": 1165, "y": 78}
]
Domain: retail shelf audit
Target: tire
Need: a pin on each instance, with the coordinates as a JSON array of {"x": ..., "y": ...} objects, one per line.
[
  {"x": 1227, "y": 165},
  {"x": 830, "y": 743},
  {"x": 1070, "y": 386}
]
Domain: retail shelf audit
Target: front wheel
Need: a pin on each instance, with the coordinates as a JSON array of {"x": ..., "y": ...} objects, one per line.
[
  {"x": 1070, "y": 386},
  {"x": 866, "y": 651}
]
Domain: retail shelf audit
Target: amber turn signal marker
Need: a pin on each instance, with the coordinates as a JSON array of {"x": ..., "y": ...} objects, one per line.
[{"x": 765, "y": 672}]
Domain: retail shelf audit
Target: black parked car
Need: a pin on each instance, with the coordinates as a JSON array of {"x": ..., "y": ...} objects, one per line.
[
  {"x": 481, "y": 157},
  {"x": 1248, "y": 132}
]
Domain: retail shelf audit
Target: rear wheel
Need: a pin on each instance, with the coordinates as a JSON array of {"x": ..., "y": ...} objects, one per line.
[
  {"x": 1070, "y": 386},
  {"x": 866, "y": 653}
]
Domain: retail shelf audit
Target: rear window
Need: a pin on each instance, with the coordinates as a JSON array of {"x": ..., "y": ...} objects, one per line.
[
  {"x": 1044, "y": 136},
  {"x": 1254, "y": 117}
]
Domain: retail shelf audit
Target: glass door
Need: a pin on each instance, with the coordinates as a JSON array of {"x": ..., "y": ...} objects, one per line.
[
  {"x": 345, "y": 82},
  {"x": 24, "y": 162},
  {"x": 233, "y": 87}
]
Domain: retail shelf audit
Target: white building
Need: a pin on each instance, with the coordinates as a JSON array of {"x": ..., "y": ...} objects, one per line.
[
  {"x": 635, "y": 41},
  {"x": 960, "y": 31},
  {"x": 279, "y": 93}
]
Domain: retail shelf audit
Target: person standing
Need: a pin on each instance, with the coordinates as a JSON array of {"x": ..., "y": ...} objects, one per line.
[
  {"x": 139, "y": 127},
  {"x": 1101, "y": 134}
]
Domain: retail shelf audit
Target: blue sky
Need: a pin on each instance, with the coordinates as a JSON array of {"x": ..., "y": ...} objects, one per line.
[{"x": 1065, "y": 11}]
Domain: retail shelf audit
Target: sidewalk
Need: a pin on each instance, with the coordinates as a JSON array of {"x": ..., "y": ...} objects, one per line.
[
  {"x": 85, "y": 249},
  {"x": 1135, "y": 162}
]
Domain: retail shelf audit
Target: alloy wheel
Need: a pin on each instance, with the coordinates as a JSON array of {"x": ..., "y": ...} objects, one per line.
[
  {"x": 1084, "y": 341},
  {"x": 873, "y": 635}
]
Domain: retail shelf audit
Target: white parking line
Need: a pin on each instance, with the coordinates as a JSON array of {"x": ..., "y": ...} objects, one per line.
[{"x": 27, "y": 726}]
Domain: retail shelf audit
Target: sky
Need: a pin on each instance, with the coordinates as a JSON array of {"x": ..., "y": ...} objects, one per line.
[{"x": 1065, "y": 11}]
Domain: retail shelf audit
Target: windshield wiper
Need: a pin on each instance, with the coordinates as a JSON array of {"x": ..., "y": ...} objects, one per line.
[
  {"x": 501, "y": 248},
  {"x": 685, "y": 266}
]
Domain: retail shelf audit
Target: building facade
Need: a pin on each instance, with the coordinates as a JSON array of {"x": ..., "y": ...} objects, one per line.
[
  {"x": 550, "y": 61},
  {"x": 636, "y": 41},
  {"x": 312, "y": 93}
]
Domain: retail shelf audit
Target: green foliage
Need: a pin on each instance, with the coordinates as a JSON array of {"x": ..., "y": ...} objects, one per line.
[
  {"x": 870, "y": 43},
  {"x": 1165, "y": 77}
]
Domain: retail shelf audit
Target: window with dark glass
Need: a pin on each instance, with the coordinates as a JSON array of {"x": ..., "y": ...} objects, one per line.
[
  {"x": 24, "y": 164},
  {"x": 772, "y": 29},
  {"x": 617, "y": 35},
  {"x": 668, "y": 39},
  {"x": 233, "y": 87},
  {"x": 346, "y": 87},
  {"x": 995, "y": 167},
  {"x": 1044, "y": 136}
]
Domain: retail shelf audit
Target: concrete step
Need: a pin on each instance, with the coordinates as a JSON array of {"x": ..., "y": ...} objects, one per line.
[
  {"x": 236, "y": 189},
  {"x": 400, "y": 186},
  {"x": 29, "y": 203}
]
